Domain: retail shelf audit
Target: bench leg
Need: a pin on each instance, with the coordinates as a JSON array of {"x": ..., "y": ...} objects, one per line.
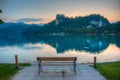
[
  {"x": 74, "y": 68},
  {"x": 40, "y": 68},
  {"x": 39, "y": 71}
]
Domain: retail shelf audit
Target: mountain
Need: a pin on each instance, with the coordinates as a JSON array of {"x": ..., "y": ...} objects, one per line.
[
  {"x": 93, "y": 23},
  {"x": 14, "y": 28},
  {"x": 90, "y": 20}
]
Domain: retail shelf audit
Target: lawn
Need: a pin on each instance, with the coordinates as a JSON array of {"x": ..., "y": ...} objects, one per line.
[
  {"x": 110, "y": 70},
  {"x": 8, "y": 70}
]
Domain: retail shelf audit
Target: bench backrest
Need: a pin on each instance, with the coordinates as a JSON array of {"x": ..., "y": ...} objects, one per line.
[{"x": 56, "y": 58}]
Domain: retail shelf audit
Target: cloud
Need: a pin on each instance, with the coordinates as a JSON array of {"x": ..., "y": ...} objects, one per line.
[{"x": 29, "y": 20}]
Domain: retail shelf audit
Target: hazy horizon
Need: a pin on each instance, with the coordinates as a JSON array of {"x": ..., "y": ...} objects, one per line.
[{"x": 44, "y": 11}]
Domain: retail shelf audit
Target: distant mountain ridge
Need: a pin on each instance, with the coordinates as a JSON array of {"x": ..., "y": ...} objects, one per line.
[
  {"x": 14, "y": 28},
  {"x": 91, "y": 24}
]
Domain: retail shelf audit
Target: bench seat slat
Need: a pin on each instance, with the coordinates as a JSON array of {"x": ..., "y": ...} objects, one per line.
[
  {"x": 56, "y": 58},
  {"x": 57, "y": 64}
]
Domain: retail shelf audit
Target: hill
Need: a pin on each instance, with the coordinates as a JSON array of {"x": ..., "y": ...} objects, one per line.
[
  {"x": 91, "y": 24},
  {"x": 14, "y": 28}
]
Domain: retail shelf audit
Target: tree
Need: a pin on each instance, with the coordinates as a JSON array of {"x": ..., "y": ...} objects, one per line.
[
  {"x": 0, "y": 11},
  {"x": 0, "y": 19},
  {"x": 118, "y": 27}
]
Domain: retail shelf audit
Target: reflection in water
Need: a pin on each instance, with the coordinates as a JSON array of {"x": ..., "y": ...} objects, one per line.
[
  {"x": 32, "y": 46},
  {"x": 112, "y": 53},
  {"x": 92, "y": 44},
  {"x": 85, "y": 47}
]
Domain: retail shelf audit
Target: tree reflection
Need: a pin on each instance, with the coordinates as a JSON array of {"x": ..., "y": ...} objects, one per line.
[
  {"x": 88, "y": 43},
  {"x": 92, "y": 44}
]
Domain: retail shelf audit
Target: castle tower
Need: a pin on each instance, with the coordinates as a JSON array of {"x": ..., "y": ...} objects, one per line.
[
  {"x": 100, "y": 23},
  {"x": 59, "y": 18}
]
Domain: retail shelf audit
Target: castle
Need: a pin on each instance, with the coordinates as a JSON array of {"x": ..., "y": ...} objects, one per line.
[
  {"x": 89, "y": 22},
  {"x": 59, "y": 18}
]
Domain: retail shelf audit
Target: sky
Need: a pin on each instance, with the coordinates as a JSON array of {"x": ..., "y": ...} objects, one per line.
[{"x": 44, "y": 11}]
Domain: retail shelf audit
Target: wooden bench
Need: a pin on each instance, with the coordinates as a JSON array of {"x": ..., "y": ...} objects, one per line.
[{"x": 56, "y": 61}]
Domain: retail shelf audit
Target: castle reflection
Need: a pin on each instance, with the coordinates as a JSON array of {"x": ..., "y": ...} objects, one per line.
[{"x": 88, "y": 43}]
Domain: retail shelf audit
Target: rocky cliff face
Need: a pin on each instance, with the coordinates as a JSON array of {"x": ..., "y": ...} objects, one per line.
[{"x": 90, "y": 20}]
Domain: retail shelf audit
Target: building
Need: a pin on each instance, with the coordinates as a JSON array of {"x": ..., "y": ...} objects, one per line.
[
  {"x": 59, "y": 18},
  {"x": 97, "y": 23}
]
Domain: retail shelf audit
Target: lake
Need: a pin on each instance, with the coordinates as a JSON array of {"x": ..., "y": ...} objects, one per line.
[{"x": 84, "y": 47}]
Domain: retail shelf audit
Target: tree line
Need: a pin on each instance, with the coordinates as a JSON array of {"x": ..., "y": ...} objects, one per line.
[{"x": 77, "y": 25}]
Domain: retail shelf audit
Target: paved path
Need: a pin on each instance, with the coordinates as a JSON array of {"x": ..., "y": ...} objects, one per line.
[{"x": 84, "y": 72}]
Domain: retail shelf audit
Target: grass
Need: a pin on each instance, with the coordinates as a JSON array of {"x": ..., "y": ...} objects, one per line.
[
  {"x": 110, "y": 70},
  {"x": 8, "y": 70}
]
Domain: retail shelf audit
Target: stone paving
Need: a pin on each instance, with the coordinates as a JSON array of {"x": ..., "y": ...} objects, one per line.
[{"x": 84, "y": 72}]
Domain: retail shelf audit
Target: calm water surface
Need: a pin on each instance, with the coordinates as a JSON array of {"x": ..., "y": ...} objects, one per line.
[{"x": 84, "y": 47}]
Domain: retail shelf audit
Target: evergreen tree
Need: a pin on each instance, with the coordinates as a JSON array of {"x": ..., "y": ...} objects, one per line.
[{"x": 0, "y": 19}]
